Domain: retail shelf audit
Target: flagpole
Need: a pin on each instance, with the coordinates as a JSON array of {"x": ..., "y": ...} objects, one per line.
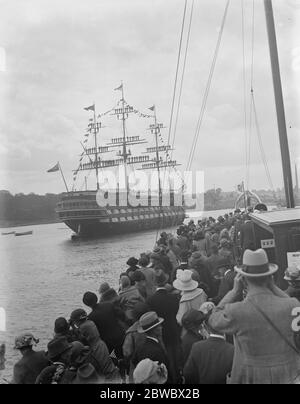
[
  {"x": 96, "y": 147},
  {"x": 63, "y": 177},
  {"x": 124, "y": 141},
  {"x": 157, "y": 156}
]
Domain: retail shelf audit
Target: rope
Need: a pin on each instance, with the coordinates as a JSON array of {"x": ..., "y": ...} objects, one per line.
[
  {"x": 263, "y": 155},
  {"x": 174, "y": 96},
  {"x": 208, "y": 85},
  {"x": 177, "y": 69},
  {"x": 251, "y": 104},
  {"x": 244, "y": 88},
  {"x": 182, "y": 77}
]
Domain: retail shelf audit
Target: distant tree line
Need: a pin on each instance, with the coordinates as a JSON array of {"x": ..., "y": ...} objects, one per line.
[{"x": 33, "y": 208}]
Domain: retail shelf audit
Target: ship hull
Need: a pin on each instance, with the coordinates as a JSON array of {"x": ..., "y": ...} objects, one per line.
[
  {"x": 80, "y": 213},
  {"x": 92, "y": 228}
]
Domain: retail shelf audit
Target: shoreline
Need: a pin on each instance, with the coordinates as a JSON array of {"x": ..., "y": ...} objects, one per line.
[{"x": 8, "y": 224}]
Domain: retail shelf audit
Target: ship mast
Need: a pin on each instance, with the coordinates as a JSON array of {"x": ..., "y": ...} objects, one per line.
[
  {"x": 156, "y": 132},
  {"x": 124, "y": 154},
  {"x": 96, "y": 127},
  {"x": 284, "y": 145},
  {"x": 158, "y": 162}
]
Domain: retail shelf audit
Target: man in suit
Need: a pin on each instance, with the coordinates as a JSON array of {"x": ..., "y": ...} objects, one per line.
[
  {"x": 27, "y": 369},
  {"x": 265, "y": 351},
  {"x": 166, "y": 305},
  {"x": 210, "y": 361},
  {"x": 152, "y": 346},
  {"x": 247, "y": 234},
  {"x": 106, "y": 316}
]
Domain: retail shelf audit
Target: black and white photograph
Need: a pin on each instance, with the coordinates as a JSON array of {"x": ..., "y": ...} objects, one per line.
[{"x": 149, "y": 194}]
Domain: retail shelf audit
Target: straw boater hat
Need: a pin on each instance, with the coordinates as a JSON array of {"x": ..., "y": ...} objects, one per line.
[
  {"x": 148, "y": 321},
  {"x": 256, "y": 264},
  {"x": 184, "y": 281}
]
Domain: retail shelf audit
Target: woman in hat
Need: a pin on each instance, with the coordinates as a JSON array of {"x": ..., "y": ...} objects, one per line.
[
  {"x": 200, "y": 243},
  {"x": 192, "y": 297},
  {"x": 192, "y": 322},
  {"x": 32, "y": 362},
  {"x": 132, "y": 264},
  {"x": 59, "y": 355},
  {"x": 265, "y": 352},
  {"x": 225, "y": 251},
  {"x": 129, "y": 297}
]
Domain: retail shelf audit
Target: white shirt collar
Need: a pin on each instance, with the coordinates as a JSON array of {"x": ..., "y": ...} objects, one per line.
[
  {"x": 154, "y": 339},
  {"x": 217, "y": 336}
]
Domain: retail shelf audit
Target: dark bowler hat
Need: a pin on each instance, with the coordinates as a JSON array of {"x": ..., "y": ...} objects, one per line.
[
  {"x": 58, "y": 346},
  {"x": 148, "y": 321},
  {"x": 256, "y": 264},
  {"x": 86, "y": 374},
  {"x": 132, "y": 262},
  {"x": 77, "y": 315}
]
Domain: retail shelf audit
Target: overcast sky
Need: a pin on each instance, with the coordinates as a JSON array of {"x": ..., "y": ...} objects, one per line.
[{"x": 57, "y": 57}]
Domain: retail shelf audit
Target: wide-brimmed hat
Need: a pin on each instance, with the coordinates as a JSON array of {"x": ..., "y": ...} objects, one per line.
[
  {"x": 58, "y": 346},
  {"x": 148, "y": 321},
  {"x": 256, "y": 264},
  {"x": 86, "y": 374},
  {"x": 184, "y": 281},
  {"x": 77, "y": 315},
  {"x": 292, "y": 273},
  {"x": 132, "y": 261},
  {"x": 150, "y": 372},
  {"x": 25, "y": 340}
]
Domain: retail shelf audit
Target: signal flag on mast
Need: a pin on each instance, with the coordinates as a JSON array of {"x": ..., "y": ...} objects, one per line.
[
  {"x": 119, "y": 88},
  {"x": 152, "y": 108},
  {"x": 53, "y": 169},
  {"x": 91, "y": 108}
]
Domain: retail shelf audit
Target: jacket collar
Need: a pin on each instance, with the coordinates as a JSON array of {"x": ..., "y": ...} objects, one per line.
[
  {"x": 217, "y": 337},
  {"x": 186, "y": 296},
  {"x": 259, "y": 291}
]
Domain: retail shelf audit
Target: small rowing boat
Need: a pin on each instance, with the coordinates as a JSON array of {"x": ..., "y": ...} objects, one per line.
[{"x": 25, "y": 233}]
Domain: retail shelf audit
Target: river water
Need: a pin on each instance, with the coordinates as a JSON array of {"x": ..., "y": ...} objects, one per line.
[{"x": 44, "y": 276}]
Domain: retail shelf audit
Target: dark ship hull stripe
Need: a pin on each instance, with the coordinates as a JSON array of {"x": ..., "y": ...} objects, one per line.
[{"x": 103, "y": 227}]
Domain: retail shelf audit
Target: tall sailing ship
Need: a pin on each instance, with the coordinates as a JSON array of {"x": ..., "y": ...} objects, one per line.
[{"x": 81, "y": 211}]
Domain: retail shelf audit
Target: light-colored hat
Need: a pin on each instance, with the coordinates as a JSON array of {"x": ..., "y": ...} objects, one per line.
[
  {"x": 25, "y": 340},
  {"x": 150, "y": 372},
  {"x": 256, "y": 264},
  {"x": 148, "y": 321},
  {"x": 292, "y": 273},
  {"x": 184, "y": 281},
  {"x": 207, "y": 307}
]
